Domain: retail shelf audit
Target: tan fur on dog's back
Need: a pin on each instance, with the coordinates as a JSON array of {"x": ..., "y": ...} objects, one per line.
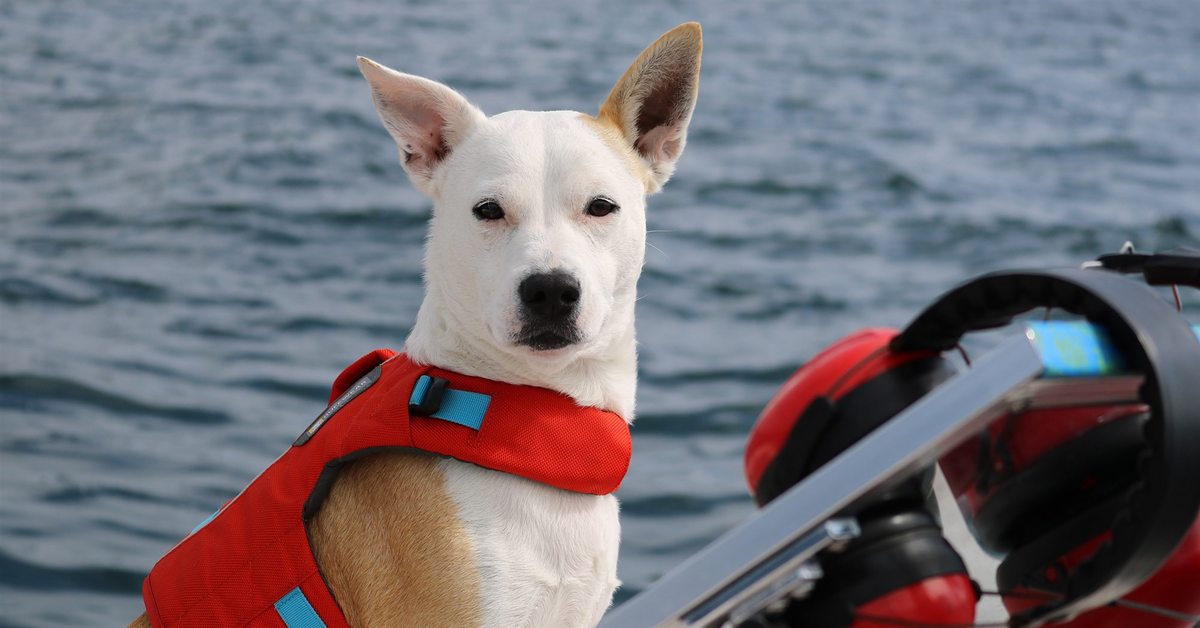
[{"x": 392, "y": 548}]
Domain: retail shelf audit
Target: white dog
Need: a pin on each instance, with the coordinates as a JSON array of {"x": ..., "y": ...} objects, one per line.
[{"x": 535, "y": 247}]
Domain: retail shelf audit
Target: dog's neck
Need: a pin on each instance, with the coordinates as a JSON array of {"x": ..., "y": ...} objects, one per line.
[{"x": 605, "y": 376}]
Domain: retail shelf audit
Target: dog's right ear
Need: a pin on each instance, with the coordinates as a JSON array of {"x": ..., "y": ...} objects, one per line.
[{"x": 427, "y": 119}]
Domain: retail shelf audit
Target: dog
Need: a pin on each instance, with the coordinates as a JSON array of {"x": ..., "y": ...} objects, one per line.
[{"x": 535, "y": 246}]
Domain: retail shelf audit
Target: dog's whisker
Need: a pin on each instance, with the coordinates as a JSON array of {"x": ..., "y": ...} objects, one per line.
[{"x": 659, "y": 250}]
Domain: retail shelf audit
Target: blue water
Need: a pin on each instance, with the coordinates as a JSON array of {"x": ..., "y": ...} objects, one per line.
[{"x": 202, "y": 221}]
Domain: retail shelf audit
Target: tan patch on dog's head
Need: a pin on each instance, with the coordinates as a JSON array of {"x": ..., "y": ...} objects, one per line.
[
  {"x": 392, "y": 548},
  {"x": 614, "y": 138}
]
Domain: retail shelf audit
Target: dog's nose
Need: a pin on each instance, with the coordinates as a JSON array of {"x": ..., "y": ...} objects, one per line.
[{"x": 550, "y": 295}]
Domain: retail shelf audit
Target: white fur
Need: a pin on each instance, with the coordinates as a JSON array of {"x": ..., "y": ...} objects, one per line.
[{"x": 546, "y": 557}]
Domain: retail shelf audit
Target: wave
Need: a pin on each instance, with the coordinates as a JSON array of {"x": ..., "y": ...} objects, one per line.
[
  {"x": 18, "y": 290},
  {"x": 21, "y": 574},
  {"x": 307, "y": 392},
  {"x": 678, "y": 505},
  {"x": 16, "y": 390},
  {"x": 718, "y": 419}
]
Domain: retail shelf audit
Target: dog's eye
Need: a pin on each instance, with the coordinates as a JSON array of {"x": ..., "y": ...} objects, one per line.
[
  {"x": 488, "y": 210},
  {"x": 601, "y": 207}
]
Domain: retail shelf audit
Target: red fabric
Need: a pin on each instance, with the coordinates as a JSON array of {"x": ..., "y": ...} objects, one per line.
[
  {"x": 835, "y": 371},
  {"x": 230, "y": 572},
  {"x": 355, "y": 371},
  {"x": 939, "y": 601}
]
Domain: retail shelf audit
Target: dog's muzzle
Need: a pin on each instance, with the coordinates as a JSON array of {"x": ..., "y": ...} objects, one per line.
[{"x": 549, "y": 306}]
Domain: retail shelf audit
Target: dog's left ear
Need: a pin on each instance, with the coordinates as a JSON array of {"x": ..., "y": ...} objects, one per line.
[
  {"x": 652, "y": 103},
  {"x": 427, "y": 119}
]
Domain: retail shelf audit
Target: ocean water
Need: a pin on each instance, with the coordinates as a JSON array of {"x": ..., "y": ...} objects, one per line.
[{"x": 202, "y": 221}]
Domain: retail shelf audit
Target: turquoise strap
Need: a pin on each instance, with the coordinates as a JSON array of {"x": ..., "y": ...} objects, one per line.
[
  {"x": 457, "y": 406},
  {"x": 296, "y": 612}
]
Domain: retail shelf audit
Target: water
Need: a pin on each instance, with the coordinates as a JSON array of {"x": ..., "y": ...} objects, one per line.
[{"x": 202, "y": 221}]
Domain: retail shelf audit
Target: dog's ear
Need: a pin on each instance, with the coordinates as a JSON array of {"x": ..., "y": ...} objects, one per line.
[
  {"x": 652, "y": 103},
  {"x": 427, "y": 119}
]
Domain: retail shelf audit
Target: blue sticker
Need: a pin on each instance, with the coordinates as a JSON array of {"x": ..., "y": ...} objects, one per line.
[{"x": 1075, "y": 349}]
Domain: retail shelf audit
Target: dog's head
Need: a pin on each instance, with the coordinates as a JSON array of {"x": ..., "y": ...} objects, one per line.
[{"x": 538, "y": 231}]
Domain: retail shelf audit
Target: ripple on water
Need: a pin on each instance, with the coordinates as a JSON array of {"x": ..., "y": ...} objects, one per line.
[
  {"x": 721, "y": 419},
  {"x": 747, "y": 375},
  {"x": 308, "y": 392},
  {"x": 128, "y": 289},
  {"x": 206, "y": 330},
  {"x": 75, "y": 217},
  {"x": 314, "y": 324},
  {"x": 19, "y": 291},
  {"x": 21, "y": 574},
  {"x": 1116, "y": 148},
  {"x": 722, "y": 191},
  {"x": 677, "y": 505},
  {"x": 28, "y": 391},
  {"x": 75, "y": 494}
]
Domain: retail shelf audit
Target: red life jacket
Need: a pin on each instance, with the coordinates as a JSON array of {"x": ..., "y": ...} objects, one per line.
[{"x": 250, "y": 564}]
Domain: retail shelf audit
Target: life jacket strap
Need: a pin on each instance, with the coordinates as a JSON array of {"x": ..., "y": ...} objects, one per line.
[
  {"x": 432, "y": 397},
  {"x": 296, "y": 612}
]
